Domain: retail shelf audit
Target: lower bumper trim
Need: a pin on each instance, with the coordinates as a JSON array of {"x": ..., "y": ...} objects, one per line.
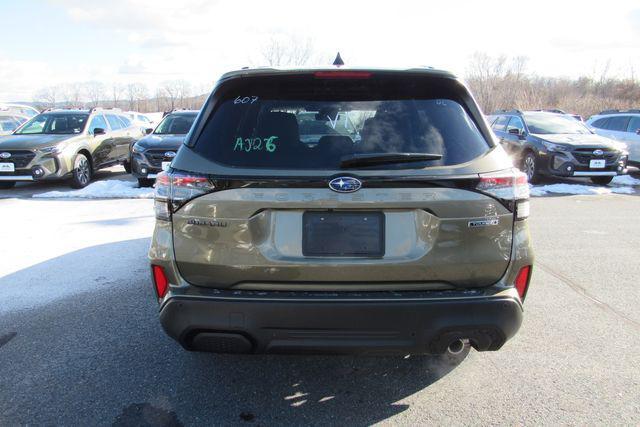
[
  {"x": 340, "y": 327},
  {"x": 16, "y": 178},
  {"x": 581, "y": 173}
]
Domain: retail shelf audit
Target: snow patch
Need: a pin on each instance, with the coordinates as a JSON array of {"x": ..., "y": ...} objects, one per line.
[
  {"x": 543, "y": 190},
  {"x": 626, "y": 180},
  {"x": 107, "y": 189},
  {"x": 622, "y": 184}
]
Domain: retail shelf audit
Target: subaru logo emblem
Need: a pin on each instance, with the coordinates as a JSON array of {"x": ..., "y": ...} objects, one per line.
[
  {"x": 345, "y": 184},
  {"x": 170, "y": 154},
  {"x": 5, "y": 155},
  {"x": 598, "y": 152}
]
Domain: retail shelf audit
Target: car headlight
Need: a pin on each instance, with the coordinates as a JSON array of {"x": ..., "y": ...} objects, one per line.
[
  {"x": 622, "y": 147},
  {"x": 137, "y": 149},
  {"x": 55, "y": 149},
  {"x": 555, "y": 147}
]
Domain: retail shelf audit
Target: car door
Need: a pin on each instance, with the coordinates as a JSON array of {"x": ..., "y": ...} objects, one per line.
[
  {"x": 119, "y": 138},
  {"x": 130, "y": 134},
  {"x": 101, "y": 144},
  {"x": 499, "y": 128},
  {"x": 514, "y": 142},
  {"x": 632, "y": 138}
]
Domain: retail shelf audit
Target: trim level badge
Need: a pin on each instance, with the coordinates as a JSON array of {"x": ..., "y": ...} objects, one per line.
[{"x": 483, "y": 222}]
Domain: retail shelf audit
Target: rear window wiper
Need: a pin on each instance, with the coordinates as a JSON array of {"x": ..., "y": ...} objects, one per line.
[{"x": 368, "y": 159}]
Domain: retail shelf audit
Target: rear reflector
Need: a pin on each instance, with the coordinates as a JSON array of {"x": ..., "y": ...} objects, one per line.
[
  {"x": 522, "y": 281},
  {"x": 160, "y": 280},
  {"x": 342, "y": 74}
]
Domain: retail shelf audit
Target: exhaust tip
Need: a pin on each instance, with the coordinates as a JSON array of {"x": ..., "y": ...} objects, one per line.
[{"x": 457, "y": 346}]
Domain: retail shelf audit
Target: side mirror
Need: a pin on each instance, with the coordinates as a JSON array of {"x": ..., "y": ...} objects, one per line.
[
  {"x": 98, "y": 131},
  {"x": 147, "y": 131},
  {"x": 638, "y": 131}
]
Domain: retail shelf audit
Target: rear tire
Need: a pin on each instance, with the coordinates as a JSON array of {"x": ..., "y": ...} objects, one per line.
[
  {"x": 145, "y": 182},
  {"x": 82, "y": 172},
  {"x": 530, "y": 167},
  {"x": 601, "y": 180},
  {"x": 4, "y": 185}
]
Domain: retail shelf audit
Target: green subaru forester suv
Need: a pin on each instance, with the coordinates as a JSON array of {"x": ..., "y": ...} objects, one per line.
[
  {"x": 66, "y": 144},
  {"x": 401, "y": 230}
]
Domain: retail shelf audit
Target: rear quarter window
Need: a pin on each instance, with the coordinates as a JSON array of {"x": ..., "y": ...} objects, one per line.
[
  {"x": 317, "y": 129},
  {"x": 600, "y": 123}
]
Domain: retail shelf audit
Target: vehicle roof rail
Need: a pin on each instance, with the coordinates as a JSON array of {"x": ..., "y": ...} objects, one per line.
[
  {"x": 610, "y": 111},
  {"x": 512, "y": 111}
]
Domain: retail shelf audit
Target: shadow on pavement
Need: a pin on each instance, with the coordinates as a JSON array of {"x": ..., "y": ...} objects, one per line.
[{"x": 101, "y": 356}]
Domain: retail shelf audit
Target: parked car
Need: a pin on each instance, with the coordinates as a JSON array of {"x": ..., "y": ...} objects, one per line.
[
  {"x": 621, "y": 125},
  {"x": 551, "y": 144},
  {"x": 140, "y": 120},
  {"x": 19, "y": 109},
  {"x": 10, "y": 122},
  {"x": 153, "y": 153},
  {"x": 414, "y": 240},
  {"x": 558, "y": 111},
  {"x": 61, "y": 144},
  {"x": 314, "y": 125}
]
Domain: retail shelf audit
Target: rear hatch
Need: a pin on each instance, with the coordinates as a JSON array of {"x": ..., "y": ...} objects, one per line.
[{"x": 400, "y": 191}]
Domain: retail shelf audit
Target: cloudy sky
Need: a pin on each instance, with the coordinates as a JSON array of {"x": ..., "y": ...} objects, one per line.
[{"x": 60, "y": 41}]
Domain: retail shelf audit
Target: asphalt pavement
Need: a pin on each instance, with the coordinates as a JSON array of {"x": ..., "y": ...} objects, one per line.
[{"x": 80, "y": 341}]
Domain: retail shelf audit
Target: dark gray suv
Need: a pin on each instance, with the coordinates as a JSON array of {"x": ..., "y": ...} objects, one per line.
[
  {"x": 404, "y": 232},
  {"x": 556, "y": 144}
]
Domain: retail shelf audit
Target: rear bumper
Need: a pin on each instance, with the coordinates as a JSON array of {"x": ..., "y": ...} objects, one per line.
[{"x": 409, "y": 323}]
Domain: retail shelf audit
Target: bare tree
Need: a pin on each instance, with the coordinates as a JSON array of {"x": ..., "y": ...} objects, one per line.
[
  {"x": 117, "y": 91},
  {"x": 175, "y": 92},
  {"x": 282, "y": 50},
  {"x": 503, "y": 83},
  {"x": 47, "y": 96},
  {"x": 94, "y": 92},
  {"x": 72, "y": 94},
  {"x": 136, "y": 94}
]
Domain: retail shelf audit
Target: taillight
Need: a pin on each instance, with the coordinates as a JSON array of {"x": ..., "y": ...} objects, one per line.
[
  {"x": 522, "y": 281},
  {"x": 160, "y": 280},
  {"x": 172, "y": 190},
  {"x": 511, "y": 187}
]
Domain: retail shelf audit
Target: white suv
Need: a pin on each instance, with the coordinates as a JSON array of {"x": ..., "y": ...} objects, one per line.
[{"x": 621, "y": 125}]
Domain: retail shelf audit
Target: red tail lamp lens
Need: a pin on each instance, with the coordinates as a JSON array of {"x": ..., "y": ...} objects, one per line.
[
  {"x": 522, "y": 281},
  {"x": 160, "y": 279}
]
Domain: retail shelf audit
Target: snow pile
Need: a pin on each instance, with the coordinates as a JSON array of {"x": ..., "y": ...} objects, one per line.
[
  {"x": 108, "y": 189},
  {"x": 543, "y": 190},
  {"x": 620, "y": 185},
  {"x": 626, "y": 180}
]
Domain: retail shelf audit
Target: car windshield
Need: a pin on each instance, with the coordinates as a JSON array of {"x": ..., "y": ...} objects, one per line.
[
  {"x": 316, "y": 129},
  {"x": 52, "y": 123},
  {"x": 554, "y": 123},
  {"x": 8, "y": 124},
  {"x": 175, "y": 124}
]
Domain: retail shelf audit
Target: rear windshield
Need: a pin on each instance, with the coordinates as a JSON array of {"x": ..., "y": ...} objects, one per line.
[{"x": 318, "y": 125}]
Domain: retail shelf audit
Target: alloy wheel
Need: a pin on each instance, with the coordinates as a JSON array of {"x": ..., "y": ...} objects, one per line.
[
  {"x": 529, "y": 167},
  {"x": 83, "y": 170}
]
